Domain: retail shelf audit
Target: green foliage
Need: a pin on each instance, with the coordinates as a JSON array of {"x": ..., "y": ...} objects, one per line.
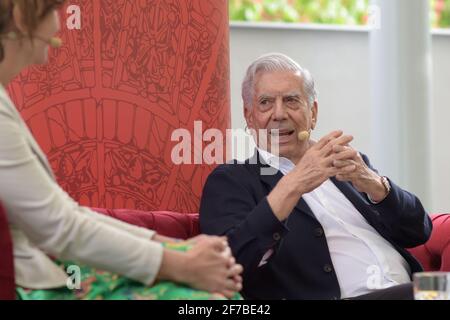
[
  {"x": 440, "y": 13},
  {"x": 343, "y": 12}
]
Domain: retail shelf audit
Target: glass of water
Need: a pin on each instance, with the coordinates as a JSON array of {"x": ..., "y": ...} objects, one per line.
[{"x": 432, "y": 286}]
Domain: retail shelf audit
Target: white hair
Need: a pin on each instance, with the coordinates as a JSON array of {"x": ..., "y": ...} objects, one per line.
[{"x": 276, "y": 62}]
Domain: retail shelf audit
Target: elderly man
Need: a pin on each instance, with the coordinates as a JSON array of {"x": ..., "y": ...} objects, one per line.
[{"x": 326, "y": 225}]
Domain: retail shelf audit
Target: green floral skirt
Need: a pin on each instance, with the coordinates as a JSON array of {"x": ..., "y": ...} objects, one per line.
[{"x": 102, "y": 285}]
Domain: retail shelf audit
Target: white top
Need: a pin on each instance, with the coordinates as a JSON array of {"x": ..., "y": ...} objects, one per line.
[
  {"x": 43, "y": 218},
  {"x": 363, "y": 260}
]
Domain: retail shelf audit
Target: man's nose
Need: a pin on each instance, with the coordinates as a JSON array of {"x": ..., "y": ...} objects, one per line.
[{"x": 279, "y": 112}]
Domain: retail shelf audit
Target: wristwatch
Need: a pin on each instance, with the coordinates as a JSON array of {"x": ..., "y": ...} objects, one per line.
[{"x": 387, "y": 186}]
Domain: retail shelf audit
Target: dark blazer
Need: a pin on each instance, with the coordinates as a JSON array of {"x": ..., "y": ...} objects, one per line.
[{"x": 234, "y": 203}]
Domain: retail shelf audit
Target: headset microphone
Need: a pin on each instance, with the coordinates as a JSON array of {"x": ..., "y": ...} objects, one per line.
[
  {"x": 53, "y": 42},
  {"x": 303, "y": 136}
]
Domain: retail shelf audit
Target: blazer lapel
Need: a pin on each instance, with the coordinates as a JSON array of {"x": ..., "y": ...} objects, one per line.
[
  {"x": 271, "y": 181},
  {"x": 303, "y": 207},
  {"x": 360, "y": 202}
]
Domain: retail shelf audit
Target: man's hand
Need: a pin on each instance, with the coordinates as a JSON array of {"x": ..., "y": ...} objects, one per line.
[
  {"x": 207, "y": 266},
  {"x": 352, "y": 168},
  {"x": 312, "y": 170},
  {"x": 316, "y": 166}
]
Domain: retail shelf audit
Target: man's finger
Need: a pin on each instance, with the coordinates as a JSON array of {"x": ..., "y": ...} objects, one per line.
[
  {"x": 331, "y": 172},
  {"x": 348, "y": 169},
  {"x": 340, "y": 148},
  {"x": 331, "y": 136},
  {"x": 342, "y": 163},
  {"x": 343, "y": 175},
  {"x": 342, "y": 140},
  {"x": 349, "y": 154}
]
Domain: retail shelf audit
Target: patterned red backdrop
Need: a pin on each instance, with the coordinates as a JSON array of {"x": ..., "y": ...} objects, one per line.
[{"x": 105, "y": 106}]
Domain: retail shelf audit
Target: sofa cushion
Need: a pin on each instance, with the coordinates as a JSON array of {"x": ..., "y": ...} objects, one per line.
[{"x": 170, "y": 224}]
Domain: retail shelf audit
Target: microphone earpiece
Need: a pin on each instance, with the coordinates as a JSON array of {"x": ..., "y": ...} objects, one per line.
[
  {"x": 303, "y": 136},
  {"x": 12, "y": 35},
  {"x": 53, "y": 42}
]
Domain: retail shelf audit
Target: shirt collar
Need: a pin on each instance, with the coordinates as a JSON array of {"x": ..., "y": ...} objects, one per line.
[{"x": 280, "y": 163}]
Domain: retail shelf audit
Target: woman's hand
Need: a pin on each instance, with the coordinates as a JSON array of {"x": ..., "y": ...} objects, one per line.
[{"x": 208, "y": 265}]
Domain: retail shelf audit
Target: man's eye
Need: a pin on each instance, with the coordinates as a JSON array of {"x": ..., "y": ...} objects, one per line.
[{"x": 264, "y": 102}]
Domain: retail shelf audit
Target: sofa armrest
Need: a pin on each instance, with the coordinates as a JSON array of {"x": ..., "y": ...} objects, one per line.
[{"x": 435, "y": 254}]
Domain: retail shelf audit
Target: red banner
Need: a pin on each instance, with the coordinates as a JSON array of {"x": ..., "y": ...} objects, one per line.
[{"x": 129, "y": 73}]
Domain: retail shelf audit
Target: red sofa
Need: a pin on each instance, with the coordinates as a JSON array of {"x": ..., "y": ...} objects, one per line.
[{"x": 434, "y": 255}]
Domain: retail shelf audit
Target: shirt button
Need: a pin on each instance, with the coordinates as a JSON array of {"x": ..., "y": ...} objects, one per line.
[
  {"x": 276, "y": 236},
  {"x": 318, "y": 232},
  {"x": 327, "y": 268}
]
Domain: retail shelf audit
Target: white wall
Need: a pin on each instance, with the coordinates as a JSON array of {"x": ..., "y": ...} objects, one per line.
[
  {"x": 440, "y": 123},
  {"x": 338, "y": 58}
]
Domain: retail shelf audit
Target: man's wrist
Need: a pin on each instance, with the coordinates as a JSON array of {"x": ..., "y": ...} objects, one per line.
[
  {"x": 292, "y": 185},
  {"x": 381, "y": 191}
]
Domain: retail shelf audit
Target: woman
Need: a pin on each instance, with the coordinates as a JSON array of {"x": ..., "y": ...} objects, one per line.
[{"x": 43, "y": 218}]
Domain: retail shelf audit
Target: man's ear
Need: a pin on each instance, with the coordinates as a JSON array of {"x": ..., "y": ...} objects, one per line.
[
  {"x": 248, "y": 116},
  {"x": 315, "y": 113}
]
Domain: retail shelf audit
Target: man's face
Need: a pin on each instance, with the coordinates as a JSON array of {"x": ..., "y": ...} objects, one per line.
[{"x": 279, "y": 102}]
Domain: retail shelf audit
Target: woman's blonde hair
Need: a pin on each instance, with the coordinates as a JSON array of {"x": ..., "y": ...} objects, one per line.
[{"x": 33, "y": 12}]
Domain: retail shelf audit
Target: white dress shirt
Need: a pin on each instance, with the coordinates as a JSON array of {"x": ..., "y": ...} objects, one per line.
[{"x": 363, "y": 260}]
